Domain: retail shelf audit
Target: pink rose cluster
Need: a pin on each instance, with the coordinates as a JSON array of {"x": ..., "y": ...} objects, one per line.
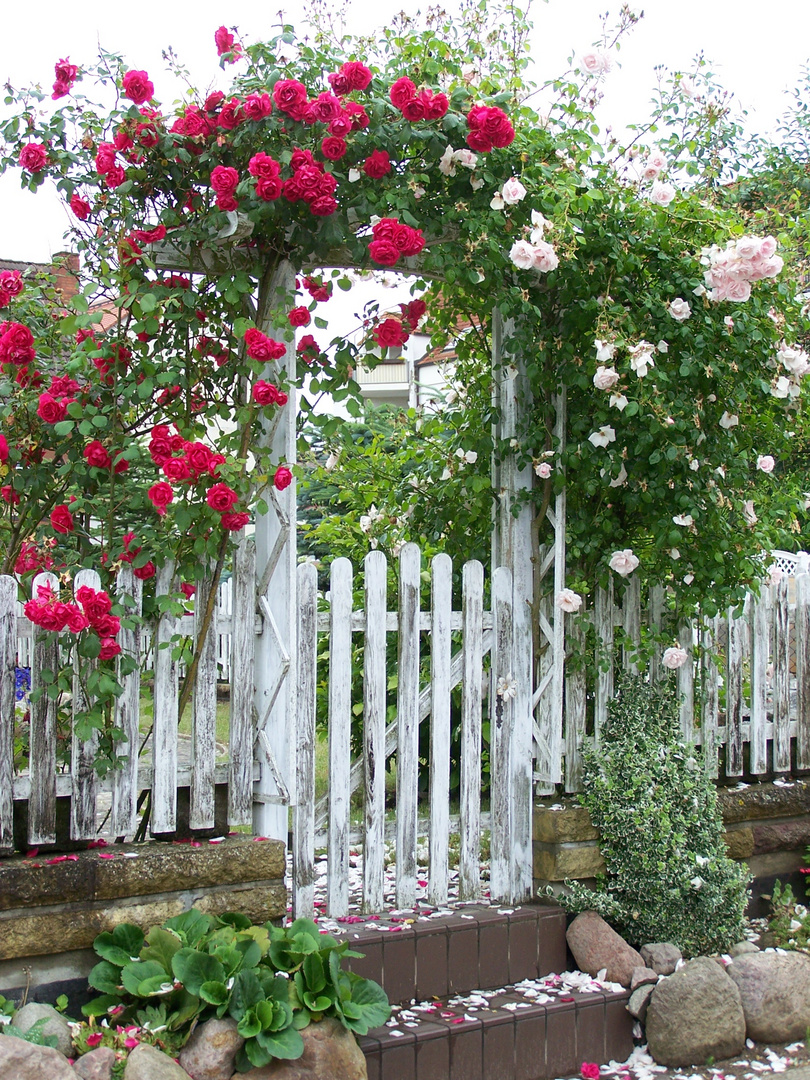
[
  {"x": 539, "y": 256},
  {"x": 731, "y": 270},
  {"x": 92, "y": 610},
  {"x": 11, "y": 285},
  {"x": 416, "y": 105},
  {"x": 489, "y": 127},
  {"x": 392, "y": 240},
  {"x": 66, "y": 75}
]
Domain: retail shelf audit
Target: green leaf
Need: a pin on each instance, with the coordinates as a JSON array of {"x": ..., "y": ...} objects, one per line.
[
  {"x": 161, "y": 946},
  {"x": 245, "y": 993},
  {"x": 120, "y": 946},
  {"x": 215, "y": 993},
  {"x": 101, "y": 1005},
  {"x": 156, "y": 985},
  {"x": 148, "y": 302},
  {"x": 249, "y": 1025},
  {"x": 286, "y": 1044},
  {"x": 194, "y": 968},
  {"x": 105, "y": 977},
  {"x": 133, "y": 975},
  {"x": 64, "y": 427}
]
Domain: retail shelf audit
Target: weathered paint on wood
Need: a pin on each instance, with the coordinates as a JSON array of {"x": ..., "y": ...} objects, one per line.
[
  {"x": 781, "y": 678},
  {"x": 631, "y": 610},
  {"x": 734, "y": 695},
  {"x": 709, "y": 705},
  {"x": 469, "y": 874},
  {"x": 686, "y": 683},
  {"x": 501, "y": 721},
  {"x": 758, "y": 738},
  {"x": 83, "y": 752},
  {"x": 375, "y": 686},
  {"x": 204, "y": 712},
  {"x": 441, "y": 607},
  {"x": 123, "y": 816},
  {"x": 340, "y": 729},
  {"x": 802, "y": 623},
  {"x": 242, "y": 733},
  {"x": 8, "y": 660},
  {"x": 575, "y": 704},
  {"x": 303, "y": 882},
  {"x": 604, "y": 625},
  {"x": 42, "y": 731},
  {"x": 407, "y": 724},
  {"x": 164, "y": 723}
]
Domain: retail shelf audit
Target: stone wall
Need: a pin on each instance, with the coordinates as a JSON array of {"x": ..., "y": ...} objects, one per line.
[
  {"x": 767, "y": 825},
  {"x": 53, "y": 908}
]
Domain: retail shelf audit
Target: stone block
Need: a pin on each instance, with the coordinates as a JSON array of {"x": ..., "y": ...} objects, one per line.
[
  {"x": 781, "y": 836},
  {"x": 574, "y": 861},
  {"x": 739, "y": 842},
  {"x": 571, "y": 824}
]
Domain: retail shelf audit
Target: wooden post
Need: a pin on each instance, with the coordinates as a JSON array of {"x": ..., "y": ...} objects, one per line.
[{"x": 8, "y": 656}]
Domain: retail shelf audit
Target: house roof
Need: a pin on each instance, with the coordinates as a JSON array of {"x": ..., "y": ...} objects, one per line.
[{"x": 18, "y": 264}]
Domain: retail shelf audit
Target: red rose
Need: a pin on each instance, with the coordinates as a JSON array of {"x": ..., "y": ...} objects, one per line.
[
  {"x": 66, "y": 74},
  {"x": 34, "y": 157},
  {"x": 317, "y": 289},
  {"x": 221, "y": 497},
  {"x": 51, "y": 409},
  {"x": 231, "y": 115},
  {"x": 115, "y": 177},
  {"x": 160, "y": 447},
  {"x": 61, "y": 519},
  {"x": 414, "y": 110},
  {"x": 323, "y": 206},
  {"x": 341, "y": 125},
  {"x": 145, "y": 572},
  {"x": 261, "y": 347},
  {"x": 198, "y": 457},
  {"x": 161, "y": 494},
  {"x": 412, "y": 242},
  {"x": 265, "y": 393},
  {"x": 176, "y": 469},
  {"x": 224, "y": 180},
  {"x": 129, "y": 251},
  {"x": 402, "y": 91},
  {"x": 95, "y": 604},
  {"x": 390, "y": 334},
  {"x": 109, "y": 649},
  {"x": 234, "y": 521},
  {"x": 137, "y": 87},
  {"x": 213, "y": 101},
  {"x": 105, "y": 158},
  {"x": 333, "y": 148},
  {"x": 290, "y": 96},
  {"x": 308, "y": 348},
  {"x": 301, "y": 157},
  {"x": 9, "y": 495},
  {"x": 263, "y": 167},
  {"x": 413, "y": 312},
  {"x": 377, "y": 165},
  {"x": 358, "y": 114},
  {"x": 271, "y": 189},
  {"x": 80, "y": 207},
  {"x": 304, "y": 183},
  {"x": 3, "y": 450},
  {"x": 227, "y": 46},
  {"x": 187, "y": 589},
  {"x": 95, "y": 454},
  {"x": 384, "y": 252},
  {"x": 436, "y": 106},
  {"x": 257, "y": 106},
  {"x": 357, "y": 74},
  {"x": 283, "y": 478},
  {"x": 75, "y": 620},
  {"x": 227, "y": 203},
  {"x": 150, "y": 236},
  {"x": 325, "y": 107},
  {"x": 299, "y": 316},
  {"x": 489, "y": 127}
]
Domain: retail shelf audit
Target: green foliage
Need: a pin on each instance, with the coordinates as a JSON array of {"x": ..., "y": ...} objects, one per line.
[
  {"x": 667, "y": 875},
  {"x": 789, "y": 920},
  {"x": 272, "y": 980},
  {"x": 35, "y": 1034}
]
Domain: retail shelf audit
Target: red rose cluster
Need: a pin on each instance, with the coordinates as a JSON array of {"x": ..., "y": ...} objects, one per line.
[
  {"x": 224, "y": 181},
  {"x": 265, "y": 393},
  {"x": 415, "y": 106},
  {"x": 317, "y": 289},
  {"x": 489, "y": 127},
  {"x": 92, "y": 609},
  {"x": 53, "y": 403},
  {"x": 311, "y": 184},
  {"x": 261, "y": 347},
  {"x": 16, "y": 345},
  {"x": 227, "y": 46},
  {"x": 138, "y": 87},
  {"x": 392, "y": 240},
  {"x": 267, "y": 173},
  {"x": 308, "y": 348},
  {"x": 66, "y": 75},
  {"x": 11, "y": 284},
  {"x": 392, "y": 333},
  {"x": 352, "y": 76},
  {"x": 31, "y": 559}
]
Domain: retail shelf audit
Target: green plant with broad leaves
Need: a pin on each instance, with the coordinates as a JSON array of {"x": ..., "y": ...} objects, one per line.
[{"x": 272, "y": 980}]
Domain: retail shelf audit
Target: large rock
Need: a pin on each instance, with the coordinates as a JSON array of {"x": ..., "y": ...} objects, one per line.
[
  {"x": 642, "y": 977},
  {"x": 695, "y": 1014},
  {"x": 97, "y": 1065},
  {"x": 330, "y": 1053},
  {"x": 661, "y": 956},
  {"x": 22, "y": 1060},
  {"x": 775, "y": 993},
  {"x": 741, "y": 948},
  {"x": 55, "y": 1024},
  {"x": 211, "y": 1051},
  {"x": 147, "y": 1063},
  {"x": 640, "y": 1000},
  {"x": 596, "y": 945}
]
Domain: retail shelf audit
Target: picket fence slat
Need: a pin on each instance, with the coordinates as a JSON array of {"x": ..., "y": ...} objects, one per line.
[
  {"x": 604, "y": 623},
  {"x": 631, "y": 611},
  {"x": 710, "y": 703},
  {"x": 469, "y": 871},
  {"x": 500, "y": 726},
  {"x": 781, "y": 678},
  {"x": 802, "y": 624},
  {"x": 123, "y": 815},
  {"x": 241, "y": 734},
  {"x": 441, "y": 599},
  {"x": 164, "y": 722},
  {"x": 686, "y": 683},
  {"x": 8, "y": 661},
  {"x": 655, "y": 605},
  {"x": 575, "y": 705},
  {"x": 374, "y": 716},
  {"x": 42, "y": 731},
  {"x": 759, "y": 688},
  {"x": 340, "y": 729},
  {"x": 303, "y": 882},
  {"x": 734, "y": 695},
  {"x": 204, "y": 712},
  {"x": 83, "y": 752},
  {"x": 408, "y": 724}
]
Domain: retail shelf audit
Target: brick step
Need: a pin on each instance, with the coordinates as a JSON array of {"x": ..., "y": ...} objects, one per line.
[
  {"x": 539, "y": 1042},
  {"x": 428, "y": 961},
  {"x": 477, "y": 948}
]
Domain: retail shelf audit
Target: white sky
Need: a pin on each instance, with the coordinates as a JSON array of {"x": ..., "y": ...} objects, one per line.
[{"x": 757, "y": 50}]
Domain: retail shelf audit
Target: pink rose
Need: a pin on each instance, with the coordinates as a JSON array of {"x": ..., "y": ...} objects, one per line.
[
  {"x": 662, "y": 194},
  {"x": 137, "y": 87},
  {"x": 623, "y": 562},
  {"x": 544, "y": 257},
  {"x": 605, "y": 378},
  {"x": 34, "y": 157},
  {"x": 674, "y": 657},
  {"x": 522, "y": 254},
  {"x": 765, "y": 463}
]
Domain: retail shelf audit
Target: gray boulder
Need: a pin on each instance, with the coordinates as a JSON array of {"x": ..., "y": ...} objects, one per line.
[
  {"x": 661, "y": 956},
  {"x": 695, "y": 1014},
  {"x": 639, "y": 1001},
  {"x": 55, "y": 1024},
  {"x": 211, "y": 1051},
  {"x": 21, "y": 1060},
  {"x": 642, "y": 976},
  {"x": 330, "y": 1053},
  {"x": 147, "y": 1063},
  {"x": 775, "y": 994},
  {"x": 741, "y": 948},
  {"x": 595, "y": 945},
  {"x": 97, "y": 1065}
]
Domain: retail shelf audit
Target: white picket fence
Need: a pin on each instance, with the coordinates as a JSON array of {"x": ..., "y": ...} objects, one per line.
[{"x": 43, "y": 782}]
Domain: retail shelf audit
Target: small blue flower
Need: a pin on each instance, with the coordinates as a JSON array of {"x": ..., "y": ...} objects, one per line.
[{"x": 22, "y": 682}]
